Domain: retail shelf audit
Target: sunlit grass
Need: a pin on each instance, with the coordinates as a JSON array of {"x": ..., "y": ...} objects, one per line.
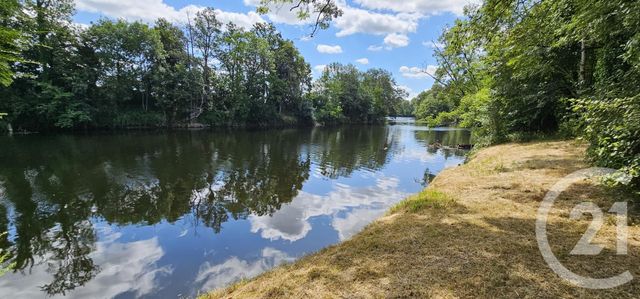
[{"x": 427, "y": 199}]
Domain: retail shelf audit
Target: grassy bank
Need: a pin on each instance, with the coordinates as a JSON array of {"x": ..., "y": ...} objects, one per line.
[{"x": 470, "y": 234}]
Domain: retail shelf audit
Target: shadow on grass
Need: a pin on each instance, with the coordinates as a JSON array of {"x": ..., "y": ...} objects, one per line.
[{"x": 499, "y": 258}]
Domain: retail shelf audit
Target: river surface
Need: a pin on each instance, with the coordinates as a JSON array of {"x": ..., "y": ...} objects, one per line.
[{"x": 168, "y": 215}]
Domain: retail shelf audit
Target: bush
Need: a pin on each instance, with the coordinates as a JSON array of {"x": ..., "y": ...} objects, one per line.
[
  {"x": 138, "y": 119},
  {"x": 612, "y": 127}
]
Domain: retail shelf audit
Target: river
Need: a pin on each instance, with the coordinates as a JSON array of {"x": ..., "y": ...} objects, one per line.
[{"x": 168, "y": 215}]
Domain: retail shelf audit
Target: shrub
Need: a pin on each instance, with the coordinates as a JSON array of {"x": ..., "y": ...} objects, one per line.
[{"x": 612, "y": 127}]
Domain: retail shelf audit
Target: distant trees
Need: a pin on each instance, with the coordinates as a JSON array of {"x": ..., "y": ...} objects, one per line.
[
  {"x": 119, "y": 74},
  {"x": 429, "y": 106},
  {"x": 405, "y": 108},
  {"x": 345, "y": 94}
]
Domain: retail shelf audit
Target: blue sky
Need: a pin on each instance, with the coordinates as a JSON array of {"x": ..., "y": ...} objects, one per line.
[{"x": 395, "y": 35}]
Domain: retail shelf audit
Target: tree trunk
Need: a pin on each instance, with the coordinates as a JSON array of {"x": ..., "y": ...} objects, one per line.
[
  {"x": 42, "y": 37},
  {"x": 585, "y": 75}
]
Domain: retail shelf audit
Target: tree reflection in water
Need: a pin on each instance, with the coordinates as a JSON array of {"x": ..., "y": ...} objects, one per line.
[
  {"x": 449, "y": 138},
  {"x": 54, "y": 189}
]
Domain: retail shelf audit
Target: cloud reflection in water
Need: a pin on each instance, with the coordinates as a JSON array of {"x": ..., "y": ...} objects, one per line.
[{"x": 351, "y": 208}]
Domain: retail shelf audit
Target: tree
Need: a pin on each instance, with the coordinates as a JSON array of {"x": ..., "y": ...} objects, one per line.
[
  {"x": 344, "y": 94},
  {"x": 126, "y": 53},
  {"x": 10, "y": 39},
  {"x": 514, "y": 68},
  {"x": 405, "y": 108},
  {"x": 384, "y": 94},
  {"x": 172, "y": 84},
  {"x": 429, "y": 104},
  {"x": 41, "y": 97},
  {"x": 206, "y": 34},
  {"x": 119, "y": 74}
]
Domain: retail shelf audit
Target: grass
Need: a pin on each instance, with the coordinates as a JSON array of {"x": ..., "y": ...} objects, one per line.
[
  {"x": 470, "y": 234},
  {"x": 427, "y": 199}
]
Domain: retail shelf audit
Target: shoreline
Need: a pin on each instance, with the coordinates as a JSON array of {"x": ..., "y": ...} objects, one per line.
[
  {"x": 195, "y": 127},
  {"x": 471, "y": 233}
]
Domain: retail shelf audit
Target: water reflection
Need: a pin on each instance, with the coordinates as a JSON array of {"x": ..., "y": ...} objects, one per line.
[
  {"x": 292, "y": 222},
  {"x": 123, "y": 215},
  {"x": 212, "y": 276},
  {"x": 447, "y": 140}
]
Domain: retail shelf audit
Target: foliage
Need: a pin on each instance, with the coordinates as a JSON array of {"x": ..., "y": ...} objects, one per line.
[
  {"x": 613, "y": 129},
  {"x": 10, "y": 38},
  {"x": 5, "y": 257},
  {"x": 428, "y": 105},
  {"x": 345, "y": 94},
  {"x": 119, "y": 74},
  {"x": 405, "y": 108},
  {"x": 510, "y": 67}
]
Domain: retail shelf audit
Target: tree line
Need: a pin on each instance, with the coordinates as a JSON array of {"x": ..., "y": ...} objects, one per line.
[
  {"x": 119, "y": 74},
  {"x": 515, "y": 69}
]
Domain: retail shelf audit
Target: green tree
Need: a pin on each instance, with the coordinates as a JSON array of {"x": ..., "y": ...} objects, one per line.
[
  {"x": 344, "y": 94},
  {"x": 206, "y": 34},
  {"x": 125, "y": 56},
  {"x": 10, "y": 39},
  {"x": 172, "y": 77},
  {"x": 513, "y": 68}
]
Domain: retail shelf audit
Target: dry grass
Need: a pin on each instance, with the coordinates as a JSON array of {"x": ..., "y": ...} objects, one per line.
[{"x": 470, "y": 234}]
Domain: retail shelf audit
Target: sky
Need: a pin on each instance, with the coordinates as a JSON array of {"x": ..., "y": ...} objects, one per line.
[{"x": 396, "y": 35}]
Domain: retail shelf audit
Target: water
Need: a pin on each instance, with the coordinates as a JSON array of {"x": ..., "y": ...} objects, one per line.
[{"x": 173, "y": 214}]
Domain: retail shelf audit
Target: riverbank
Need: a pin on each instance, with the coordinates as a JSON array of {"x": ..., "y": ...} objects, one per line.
[
  {"x": 6, "y": 129},
  {"x": 471, "y": 233}
]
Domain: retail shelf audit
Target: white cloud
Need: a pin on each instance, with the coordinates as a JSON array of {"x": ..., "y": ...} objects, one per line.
[
  {"x": 81, "y": 26},
  {"x": 147, "y": 10},
  {"x": 243, "y": 20},
  {"x": 374, "y": 48},
  {"x": 353, "y": 20},
  {"x": 427, "y": 7},
  {"x": 411, "y": 94},
  {"x": 281, "y": 13},
  {"x": 418, "y": 73},
  {"x": 395, "y": 40},
  {"x": 320, "y": 68},
  {"x": 327, "y": 49},
  {"x": 364, "y": 61},
  {"x": 151, "y": 10},
  {"x": 430, "y": 44},
  {"x": 356, "y": 20}
]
